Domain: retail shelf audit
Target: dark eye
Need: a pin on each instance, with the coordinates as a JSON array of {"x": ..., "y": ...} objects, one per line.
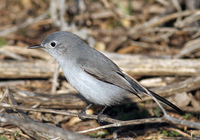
[{"x": 53, "y": 44}]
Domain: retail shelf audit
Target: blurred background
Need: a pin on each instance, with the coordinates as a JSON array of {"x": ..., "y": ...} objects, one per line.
[{"x": 155, "y": 41}]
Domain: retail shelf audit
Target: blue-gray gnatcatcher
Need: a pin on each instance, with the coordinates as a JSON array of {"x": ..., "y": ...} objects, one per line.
[{"x": 91, "y": 73}]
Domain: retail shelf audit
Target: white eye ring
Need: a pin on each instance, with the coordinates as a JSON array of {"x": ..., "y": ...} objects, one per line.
[{"x": 53, "y": 44}]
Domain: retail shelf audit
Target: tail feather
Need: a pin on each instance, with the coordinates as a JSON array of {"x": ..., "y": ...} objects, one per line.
[
  {"x": 138, "y": 88},
  {"x": 166, "y": 102}
]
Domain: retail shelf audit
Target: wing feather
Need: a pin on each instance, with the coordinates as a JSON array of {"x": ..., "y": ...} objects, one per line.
[{"x": 112, "y": 76}]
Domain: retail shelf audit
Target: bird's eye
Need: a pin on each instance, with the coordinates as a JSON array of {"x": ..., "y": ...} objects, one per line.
[{"x": 53, "y": 44}]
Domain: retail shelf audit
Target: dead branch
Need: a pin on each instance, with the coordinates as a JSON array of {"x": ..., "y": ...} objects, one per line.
[
  {"x": 26, "y": 69},
  {"x": 190, "y": 47},
  {"x": 75, "y": 101},
  {"x": 48, "y": 131},
  {"x": 130, "y": 64},
  {"x": 26, "y": 52},
  {"x": 12, "y": 55},
  {"x": 159, "y": 20},
  {"x": 115, "y": 123},
  {"x": 21, "y": 113},
  {"x": 23, "y": 25},
  {"x": 167, "y": 119},
  {"x": 107, "y": 119}
]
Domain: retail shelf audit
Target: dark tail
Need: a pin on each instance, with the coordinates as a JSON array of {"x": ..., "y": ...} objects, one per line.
[
  {"x": 138, "y": 88},
  {"x": 166, "y": 102}
]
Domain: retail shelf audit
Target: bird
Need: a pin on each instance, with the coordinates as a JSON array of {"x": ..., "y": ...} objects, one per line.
[{"x": 92, "y": 74}]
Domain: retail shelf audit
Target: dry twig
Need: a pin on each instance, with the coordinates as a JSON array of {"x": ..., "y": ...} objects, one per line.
[
  {"x": 41, "y": 129},
  {"x": 115, "y": 123},
  {"x": 29, "y": 21}
]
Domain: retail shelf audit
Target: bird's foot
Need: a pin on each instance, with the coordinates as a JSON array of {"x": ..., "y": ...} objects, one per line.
[
  {"x": 100, "y": 115},
  {"x": 83, "y": 113}
]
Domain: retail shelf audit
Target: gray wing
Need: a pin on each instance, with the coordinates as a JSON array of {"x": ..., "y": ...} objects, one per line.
[{"x": 107, "y": 71}]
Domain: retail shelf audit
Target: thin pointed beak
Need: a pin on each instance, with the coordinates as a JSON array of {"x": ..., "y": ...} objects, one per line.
[{"x": 35, "y": 47}]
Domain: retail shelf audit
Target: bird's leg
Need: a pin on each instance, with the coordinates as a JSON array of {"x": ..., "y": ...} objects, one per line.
[
  {"x": 80, "y": 115},
  {"x": 100, "y": 114}
]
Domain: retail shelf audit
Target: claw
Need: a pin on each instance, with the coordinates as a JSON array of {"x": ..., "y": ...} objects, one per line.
[
  {"x": 80, "y": 115},
  {"x": 100, "y": 114}
]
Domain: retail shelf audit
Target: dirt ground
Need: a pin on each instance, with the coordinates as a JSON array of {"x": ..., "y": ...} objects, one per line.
[{"x": 155, "y": 41}]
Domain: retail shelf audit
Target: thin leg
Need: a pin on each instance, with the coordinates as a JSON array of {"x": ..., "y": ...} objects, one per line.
[
  {"x": 100, "y": 114},
  {"x": 80, "y": 115}
]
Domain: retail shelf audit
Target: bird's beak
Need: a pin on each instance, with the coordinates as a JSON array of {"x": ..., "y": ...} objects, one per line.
[{"x": 35, "y": 47}]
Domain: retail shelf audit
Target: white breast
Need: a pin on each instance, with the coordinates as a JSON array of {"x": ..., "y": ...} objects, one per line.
[{"x": 91, "y": 88}]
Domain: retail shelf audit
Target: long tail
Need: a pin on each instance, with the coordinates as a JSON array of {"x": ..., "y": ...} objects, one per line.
[
  {"x": 163, "y": 100},
  {"x": 138, "y": 88}
]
